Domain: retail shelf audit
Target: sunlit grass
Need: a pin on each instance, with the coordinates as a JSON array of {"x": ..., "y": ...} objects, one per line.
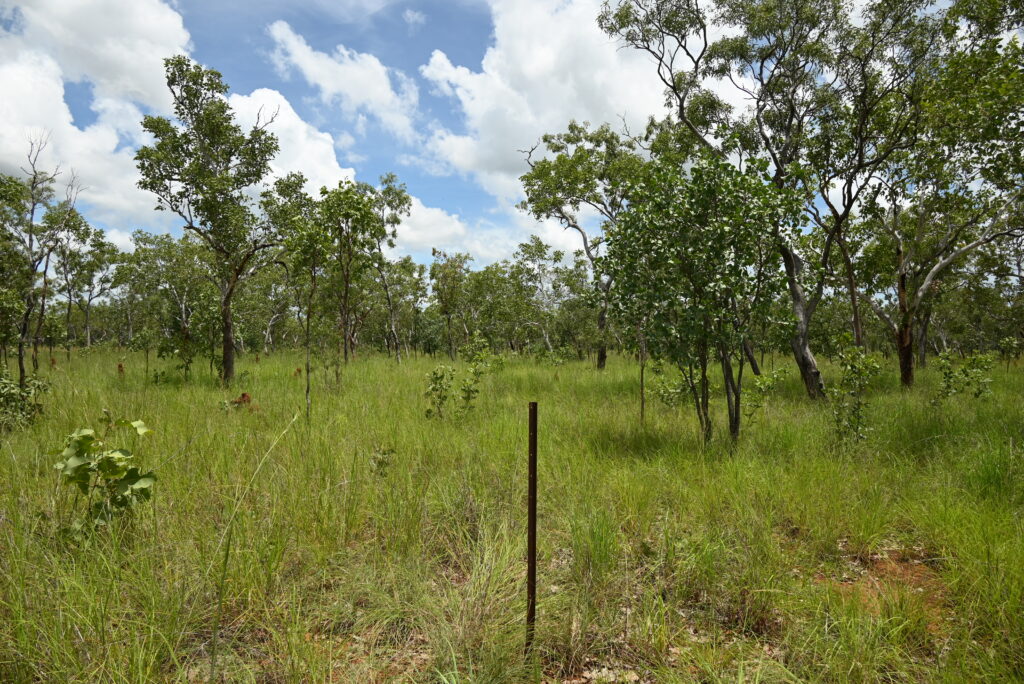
[{"x": 374, "y": 544}]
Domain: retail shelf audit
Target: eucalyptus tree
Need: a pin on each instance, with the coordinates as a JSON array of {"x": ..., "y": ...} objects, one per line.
[
  {"x": 960, "y": 187},
  {"x": 348, "y": 213},
  {"x": 586, "y": 172},
  {"x": 177, "y": 273},
  {"x": 826, "y": 99},
  {"x": 32, "y": 222},
  {"x": 92, "y": 276},
  {"x": 203, "y": 167},
  {"x": 306, "y": 250},
  {"x": 695, "y": 264},
  {"x": 409, "y": 295},
  {"x": 391, "y": 202},
  {"x": 70, "y": 267},
  {"x": 449, "y": 274},
  {"x": 536, "y": 266}
]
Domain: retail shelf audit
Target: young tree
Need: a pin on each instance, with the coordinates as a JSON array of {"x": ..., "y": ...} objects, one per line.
[
  {"x": 695, "y": 267},
  {"x": 33, "y": 224},
  {"x": 202, "y": 168},
  {"x": 588, "y": 171},
  {"x": 449, "y": 275},
  {"x": 390, "y": 202},
  {"x": 306, "y": 250},
  {"x": 348, "y": 213}
]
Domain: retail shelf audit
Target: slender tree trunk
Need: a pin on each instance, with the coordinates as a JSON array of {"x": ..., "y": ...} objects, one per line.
[
  {"x": 922, "y": 340},
  {"x": 905, "y": 350},
  {"x": 26, "y": 322},
  {"x": 602, "y": 326},
  {"x": 451, "y": 339},
  {"x": 800, "y": 342},
  {"x": 227, "y": 373},
  {"x": 732, "y": 391},
  {"x": 851, "y": 290},
  {"x": 748, "y": 351},
  {"x": 67, "y": 325},
  {"x": 88, "y": 325},
  {"x": 643, "y": 384},
  {"x": 905, "y": 331}
]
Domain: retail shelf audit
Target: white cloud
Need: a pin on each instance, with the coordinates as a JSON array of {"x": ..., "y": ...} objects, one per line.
[
  {"x": 122, "y": 239},
  {"x": 117, "y": 45},
  {"x": 358, "y": 82},
  {"x": 33, "y": 106},
  {"x": 548, "y": 64},
  {"x": 303, "y": 147},
  {"x": 428, "y": 227}
]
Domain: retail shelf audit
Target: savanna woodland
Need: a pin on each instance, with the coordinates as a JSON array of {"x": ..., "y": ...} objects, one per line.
[{"x": 781, "y": 419}]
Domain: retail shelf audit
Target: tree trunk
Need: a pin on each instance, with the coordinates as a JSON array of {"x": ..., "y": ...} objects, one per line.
[
  {"x": 88, "y": 326},
  {"x": 748, "y": 351},
  {"x": 602, "y": 345},
  {"x": 808, "y": 366},
  {"x": 905, "y": 350},
  {"x": 922, "y": 341},
  {"x": 800, "y": 343},
  {"x": 227, "y": 372},
  {"x": 732, "y": 391},
  {"x": 851, "y": 289}
]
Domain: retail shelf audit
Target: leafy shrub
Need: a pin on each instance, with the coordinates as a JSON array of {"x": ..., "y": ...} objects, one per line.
[
  {"x": 439, "y": 389},
  {"x": 848, "y": 404},
  {"x": 972, "y": 376},
  {"x": 763, "y": 386},
  {"x": 20, "y": 405},
  {"x": 1010, "y": 348},
  {"x": 481, "y": 362},
  {"x": 107, "y": 477}
]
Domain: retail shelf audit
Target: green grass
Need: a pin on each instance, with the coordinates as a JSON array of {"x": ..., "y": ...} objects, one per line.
[{"x": 316, "y": 556}]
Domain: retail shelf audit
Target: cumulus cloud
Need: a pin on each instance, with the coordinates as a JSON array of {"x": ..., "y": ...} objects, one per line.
[
  {"x": 359, "y": 83},
  {"x": 33, "y": 107},
  {"x": 548, "y": 64},
  {"x": 117, "y": 46},
  {"x": 304, "y": 148}
]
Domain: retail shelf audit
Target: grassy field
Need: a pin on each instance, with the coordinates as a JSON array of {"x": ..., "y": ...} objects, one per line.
[{"x": 374, "y": 544}]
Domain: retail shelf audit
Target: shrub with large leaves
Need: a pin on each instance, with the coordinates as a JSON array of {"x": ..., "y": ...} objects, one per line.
[{"x": 108, "y": 477}]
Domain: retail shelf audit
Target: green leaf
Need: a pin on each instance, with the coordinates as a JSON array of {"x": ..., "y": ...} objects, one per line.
[{"x": 140, "y": 427}]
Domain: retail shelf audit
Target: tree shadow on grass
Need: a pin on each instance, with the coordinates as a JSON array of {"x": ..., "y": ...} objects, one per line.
[{"x": 636, "y": 441}]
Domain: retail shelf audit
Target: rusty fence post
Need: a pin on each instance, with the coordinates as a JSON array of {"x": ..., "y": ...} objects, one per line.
[{"x": 531, "y": 532}]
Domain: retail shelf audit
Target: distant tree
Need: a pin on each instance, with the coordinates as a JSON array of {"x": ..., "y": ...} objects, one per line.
[
  {"x": 587, "y": 172},
  {"x": 449, "y": 274},
  {"x": 348, "y": 214},
  {"x": 201, "y": 167},
  {"x": 32, "y": 223},
  {"x": 391, "y": 202}
]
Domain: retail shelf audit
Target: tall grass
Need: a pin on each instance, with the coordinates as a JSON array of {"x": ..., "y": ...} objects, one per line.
[{"x": 373, "y": 544}]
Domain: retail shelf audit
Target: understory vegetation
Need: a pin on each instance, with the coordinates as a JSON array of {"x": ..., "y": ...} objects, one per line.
[{"x": 372, "y": 543}]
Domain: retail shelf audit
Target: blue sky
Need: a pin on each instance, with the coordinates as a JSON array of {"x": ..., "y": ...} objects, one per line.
[{"x": 443, "y": 93}]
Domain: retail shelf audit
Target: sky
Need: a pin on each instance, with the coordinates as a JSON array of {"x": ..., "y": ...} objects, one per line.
[{"x": 444, "y": 93}]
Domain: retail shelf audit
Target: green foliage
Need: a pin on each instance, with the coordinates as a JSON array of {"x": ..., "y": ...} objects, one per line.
[
  {"x": 764, "y": 386},
  {"x": 107, "y": 477},
  {"x": 439, "y": 388},
  {"x": 847, "y": 396},
  {"x": 696, "y": 268},
  {"x": 971, "y": 377},
  {"x": 1010, "y": 348},
  {"x": 20, "y": 405}
]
